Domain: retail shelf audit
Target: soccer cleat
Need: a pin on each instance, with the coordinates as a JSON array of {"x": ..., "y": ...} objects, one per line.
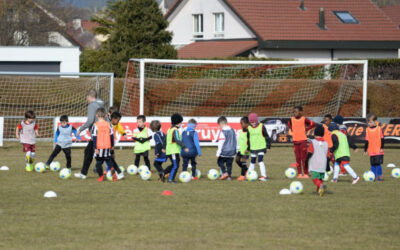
[
  {"x": 29, "y": 168},
  {"x": 241, "y": 178},
  {"x": 379, "y": 178},
  {"x": 306, "y": 176},
  {"x": 355, "y": 180},
  {"x": 321, "y": 190},
  {"x": 120, "y": 176},
  {"x": 229, "y": 178},
  {"x": 162, "y": 178},
  {"x": 166, "y": 176},
  {"x": 224, "y": 176},
  {"x": 262, "y": 178},
  {"x": 101, "y": 178},
  {"x": 47, "y": 166},
  {"x": 114, "y": 177},
  {"x": 80, "y": 176},
  {"x": 300, "y": 176},
  {"x": 334, "y": 180},
  {"x": 172, "y": 181},
  {"x": 342, "y": 174},
  {"x": 194, "y": 178}
]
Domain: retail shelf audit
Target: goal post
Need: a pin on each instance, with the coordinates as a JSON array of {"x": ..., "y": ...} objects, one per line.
[
  {"x": 160, "y": 87},
  {"x": 50, "y": 95}
]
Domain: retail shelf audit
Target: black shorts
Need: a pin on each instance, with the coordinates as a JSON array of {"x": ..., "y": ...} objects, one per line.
[
  {"x": 376, "y": 160},
  {"x": 144, "y": 154},
  {"x": 242, "y": 156}
]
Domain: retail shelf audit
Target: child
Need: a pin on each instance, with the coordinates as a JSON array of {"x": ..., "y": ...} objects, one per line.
[
  {"x": 374, "y": 144},
  {"x": 142, "y": 137},
  {"x": 341, "y": 152},
  {"x": 258, "y": 142},
  {"x": 317, "y": 159},
  {"x": 226, "y": 148},
  {"x": 159, "y": 148},
  {"x": 191, "y": 140},
  {"x": 26, "y": 132},
  {"x": 103, "y": 142},
  {"x": 327, "y": 134},
  {"x": 299, "y": 125},
  {"x": 115, "y": 117},
  {"x": 174, "y": 145},
  {"x": 243, "y": 153},
  {"x": 63, "y": 141}
]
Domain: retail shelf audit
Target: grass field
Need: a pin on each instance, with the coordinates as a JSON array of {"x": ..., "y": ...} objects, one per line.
[{"x": 132, "y": 214}]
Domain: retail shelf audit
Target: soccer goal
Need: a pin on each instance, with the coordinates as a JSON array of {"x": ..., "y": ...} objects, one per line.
[
  {"x": 156, "y": 87},
  {"x": 49, "y": 95}
]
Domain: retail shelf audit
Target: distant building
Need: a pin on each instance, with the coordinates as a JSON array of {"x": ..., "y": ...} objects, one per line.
[
  {"x": 82, "y": 32},
  {"x": 291, "y": 29}
]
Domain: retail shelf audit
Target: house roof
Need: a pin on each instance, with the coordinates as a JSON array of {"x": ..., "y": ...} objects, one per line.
[
  {"x": 216, "y": 48},
  {"x": 393, "y": 12}
]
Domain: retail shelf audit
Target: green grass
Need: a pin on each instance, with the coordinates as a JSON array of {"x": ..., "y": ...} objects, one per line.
[{"x": 132, "y": 214}]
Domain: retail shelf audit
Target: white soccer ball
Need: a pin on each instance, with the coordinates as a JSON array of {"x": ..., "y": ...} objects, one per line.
[
  {"x": 326, "y": 177},
  {"x": 122, "y": 169},
  {"x": 251, "y": 175},
  {"x": 109, "y": 176},
  {"x": 290, "y": 173},
  {"x": 132, "y": 169},
  {"x": 55, "y": 166},
  {"x": 213, "y": 174},
  {"x": 142, "y": 168},
  {"x": 369, "y": 176},
  {"x": 185, "y": 177},
  {"x": 65, "y": 173},
  {"x": 396, "y": 173},
  {"x": 391, "y": 165},
  {"x": 296, "y": 187},
  {"x": 40, "y": 167},
  {"x": 198, "y": 173},
  {"x": 145, "y": 175}
]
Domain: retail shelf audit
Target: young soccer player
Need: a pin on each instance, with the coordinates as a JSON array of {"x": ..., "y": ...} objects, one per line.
[
  {"x": 258, "y": 142},
  {"x": 63, "y": 141},
  {"x": 27, "y": 131},
  {"x": 103, "y": 142},
  {"x": 174, "y": 145},
  {"x": 341, "y": 152},
  {"x": 299, "y": 125},
  {"x": 159, "y": 148},
  {"x": 226, "y": 148},
  {"x": 374, "y": 145},
  {"x": 142, "y": 137},
  {"x": 191, "y": 140},
  {"x": 243, "y": 153},
  {"x": 317, "y": 159}
]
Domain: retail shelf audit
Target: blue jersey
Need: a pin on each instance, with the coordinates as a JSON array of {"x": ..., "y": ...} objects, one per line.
[
  {"x": 160, "y": 144},
  {"x": 190, "y": 139}
]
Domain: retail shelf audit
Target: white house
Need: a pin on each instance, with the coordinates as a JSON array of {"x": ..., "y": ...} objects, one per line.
[{"x": 291, "y": 29}]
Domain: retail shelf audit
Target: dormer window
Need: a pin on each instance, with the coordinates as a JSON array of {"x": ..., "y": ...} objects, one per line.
[
  {"x": 346, "y": 17},
  {"x": 198, "y": 25}
]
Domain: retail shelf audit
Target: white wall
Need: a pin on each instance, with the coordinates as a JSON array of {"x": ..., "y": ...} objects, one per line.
[
  {"x": 67, "y": 56},
  {"x": 181, "y": 22},
  {"x": 365, "y": 54}
]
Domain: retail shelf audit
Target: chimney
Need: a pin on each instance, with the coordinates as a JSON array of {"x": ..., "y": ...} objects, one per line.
[
  {"x": 302, "y": 5},
  {"x": 321, "y": 23},
  {"x": 76, "y": 24}
]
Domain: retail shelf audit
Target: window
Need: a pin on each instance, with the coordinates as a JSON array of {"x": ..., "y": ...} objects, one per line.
[
  {"x": 198, "y": 25},
  {"x": 219, "y": 24},
  {"x": 345, "y": 17}
]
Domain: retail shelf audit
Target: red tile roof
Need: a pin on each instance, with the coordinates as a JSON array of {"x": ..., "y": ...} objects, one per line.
[
  {"x": 284, "y": 20},
  {"x": 220, "y": 48},
  {"x": 393, "y": 12},
  {"x": 89, "y": 25}
]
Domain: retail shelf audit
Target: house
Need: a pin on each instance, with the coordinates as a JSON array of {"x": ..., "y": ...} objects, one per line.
[
  {"x": 289, "y": 29},
  {"x": 393, "y": 12},
  {"x": 82, "y": 32}
]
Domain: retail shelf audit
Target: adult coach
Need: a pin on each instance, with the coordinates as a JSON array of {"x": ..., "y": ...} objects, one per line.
[{"x": 94, "y": 105}]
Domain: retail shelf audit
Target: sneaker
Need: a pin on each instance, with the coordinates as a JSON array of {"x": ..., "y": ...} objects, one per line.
[
  {"x": 241, "y": 178},
  {"x": 342, "y": 174},
  {"x": 300, "y": 176},
  {"x": 47, "y": 166},
  {"x": 114, "y": 177},
  {"x": 262, "y": 178},
  {"x": 29, "y": 168},
  {"x": 306, "y": 176},
  {"x": 224, "y": 176},
  {"x": 229, "y": 178},
  {"x": 162, "y": 178},
  {"x": 321, "y": 190},
  {"x": 120, "y": 176},
  {"x": 194, "y": 178},
  {"x": 172, "y": 181},
  {"x": 101, "y": 178},
  {"x": 80, "y": 176},
  {"x": 334, "y": 180},
  {"x": 355, "y": 180}
]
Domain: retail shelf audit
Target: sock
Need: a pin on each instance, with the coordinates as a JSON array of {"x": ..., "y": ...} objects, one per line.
[
  {"x": 229, "y": 170},
  {"x": 108, "y": 168},
  {"x": 33, "y": 154},
  {"x": 174, "y": 169},
  {"x": 27, "y": 157},
  {"x": 379, "y": 170},
  {"x": 263, "y": 171},
  {"x": 336, "y": 171},
  {"x": 373, "y": 169},
  {"x": 350, "y": 171},
  {"x": 244, "y": 169},
  {"x": 317, "y": 183},
  {"x": 251, "y": 167}
]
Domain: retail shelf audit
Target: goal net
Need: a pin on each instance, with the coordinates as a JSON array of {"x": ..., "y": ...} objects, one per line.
[
  {"x": 234, "y": 88},
  {"x": 49, "y": 95}
]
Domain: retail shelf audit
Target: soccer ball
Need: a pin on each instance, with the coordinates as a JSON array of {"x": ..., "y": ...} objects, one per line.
[
  {"x": 251, "y": 175},
  {"x": 326, "y": 177},
  {"x": 296, "y": 187},
  {"x": 122, "y": 169},
  {"x": 65, "y": 173},
  {"x": 198, "y": 173},
  {"x": 185, "y": 177},
  {"x": 369, "y": 176},
  {"x": 109, "y": 176},
  {"x": 55, "y": 166},
  {"x": 40, "y": 167},
  {"x": 132, "y": 169},
  {"x": 290, "y": 173},
  {"x": 145, "y": 175},
  {"x": 391, "y": 165},
  {"x": 396, "y": 173},
  {"x": 142, "y": 168},
  {"x": 213, "y": 174}
]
